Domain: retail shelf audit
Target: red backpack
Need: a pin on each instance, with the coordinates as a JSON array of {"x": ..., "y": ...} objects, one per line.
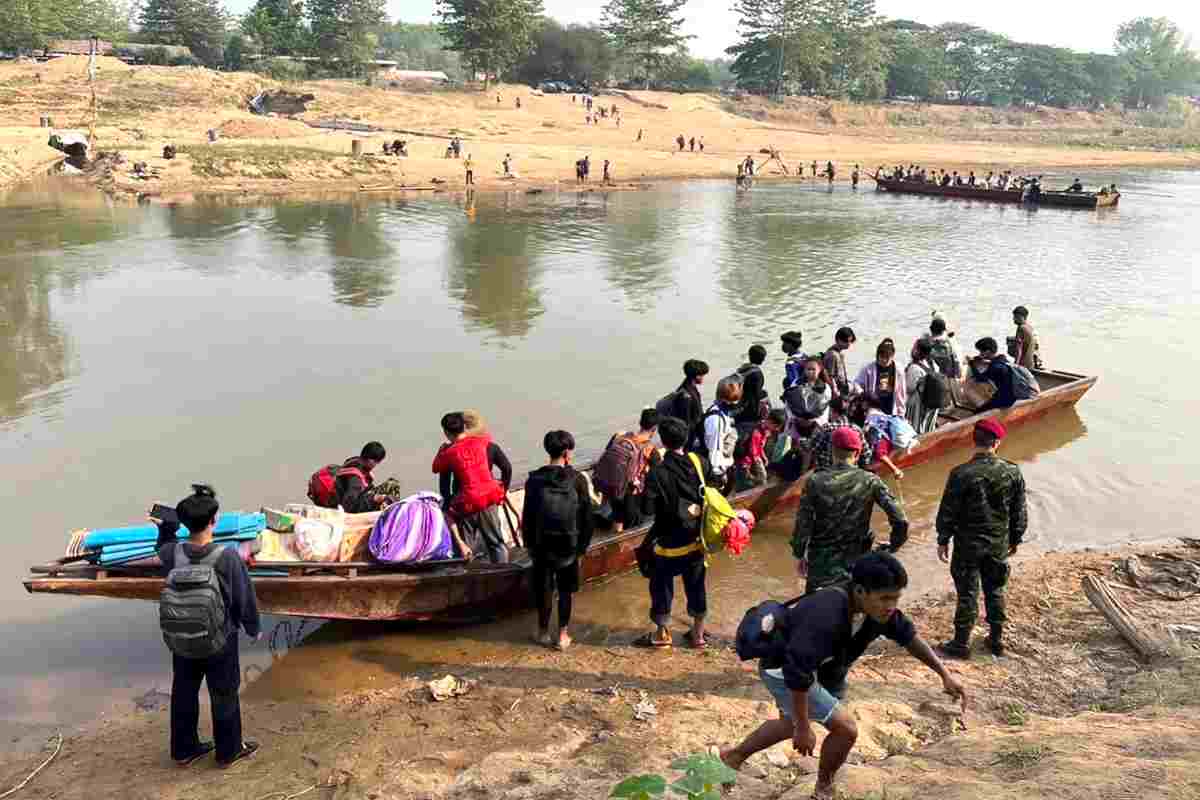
[{"x": 322, "y": 486}]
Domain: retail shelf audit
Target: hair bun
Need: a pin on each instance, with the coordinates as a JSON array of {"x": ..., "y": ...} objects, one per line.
[{"x": 203, "y": 490}]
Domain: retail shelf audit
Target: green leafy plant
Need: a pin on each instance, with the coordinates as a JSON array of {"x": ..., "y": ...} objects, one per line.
[{"x": 703, "y": 776}]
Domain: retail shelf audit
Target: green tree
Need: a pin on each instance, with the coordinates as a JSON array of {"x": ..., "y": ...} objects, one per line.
[
  {"x": 772, "y": 26},
  {"x": 235, "y": 51},
  {"x": 915, "y": 60},
  {"x": 1050, "y": 76},
  {"x": 977, "y": 61},
  {"x": 344, "y": 31},
  {"x": 417, "y": 47},
  {"x": 646, "y": 31},
  {"x": 1106, "y": 79},
  {"x": 277, "y": 25},
  {"x": 1158, "y": 59},
  {"x": 199, "y": 25},
  {"x": 579, "y": 53},
  {"x": 491, "y": 35},
  {"x": 856, "y": 57}
]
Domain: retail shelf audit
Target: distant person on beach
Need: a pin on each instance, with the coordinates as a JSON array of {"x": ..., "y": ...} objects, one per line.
[
  {"x": 607, "y": 173},
  {"x": 469, "y": 166},
  {"x": 557, "y": 524},
  {"x": 681, "y": 142},
  {"x": 518, "y": 104},
  {"x": 809, "y": 652},
  {"x": 692, "y": 144},
  {"x": 639, "y": 134},
  {"x": 701, "y": 144},
  {"x": 187, "y": 600},
  {"x": 829, "y": 171},
  {"x": 814, "y": 169},
  {"x": 854, "y": 177}
]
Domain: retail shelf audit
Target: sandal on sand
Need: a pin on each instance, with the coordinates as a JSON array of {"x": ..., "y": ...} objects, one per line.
[
  {"x": 648, "y": 640},
  {"x": 691, "y": 641},
  {"x": 204, "y": 749},
  {"x": 248, "y": 749},
  {"x": 563, "y": 643}
]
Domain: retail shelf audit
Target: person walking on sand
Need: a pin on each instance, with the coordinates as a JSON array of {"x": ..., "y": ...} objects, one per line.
[
  {"x": 607, "y": 174},
  {"x": 829, "y": 171},
  {"x": 692, "y": 145},
  {"x": 854, "y": 177},
  {"x": 207, "y": 597},
  {"x": 814, "y": 168},
  {"x": 983, "y": 512},
  {"x": 469, "y": 167},
  {"x": 806, "y": 651},
  {"x": 679, "y": 140},
  {"x": 701, "y": 143},
  {"x": 557, "y": 523},
  {"x": 639, "y": 138},
  {"x": 518, "y": 104}
]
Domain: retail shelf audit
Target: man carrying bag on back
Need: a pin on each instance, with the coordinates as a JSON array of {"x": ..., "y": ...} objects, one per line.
[{"x": 207, "y": 597}]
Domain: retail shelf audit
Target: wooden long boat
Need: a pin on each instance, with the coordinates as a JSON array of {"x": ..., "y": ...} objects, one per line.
[
  {"x": 1057, "y": 199},
  {"x": 459, "y": 591}
]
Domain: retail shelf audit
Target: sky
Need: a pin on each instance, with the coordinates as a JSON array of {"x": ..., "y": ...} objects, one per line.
[{"x": 1078, "y": 24}]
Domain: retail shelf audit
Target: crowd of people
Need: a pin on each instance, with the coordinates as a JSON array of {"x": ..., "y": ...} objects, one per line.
[{"x": 831, "y": 426}]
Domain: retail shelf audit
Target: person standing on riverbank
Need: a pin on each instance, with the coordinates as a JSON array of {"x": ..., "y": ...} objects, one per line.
[
  {"x": 675, "y": 495},
  {"x": 833, "y": 521},
  {"x": 469, "y": 167},
  {"x": 230, "y": 594},
  {"x": 817, "y": 642},
  {"x": 983, "y": 512},
  {"x": 558, "y": 525}
]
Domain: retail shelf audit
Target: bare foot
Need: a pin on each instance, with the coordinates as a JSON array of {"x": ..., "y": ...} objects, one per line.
[
  {"x": 564, "y": 640},
  {"x": 730, "y": 759}
]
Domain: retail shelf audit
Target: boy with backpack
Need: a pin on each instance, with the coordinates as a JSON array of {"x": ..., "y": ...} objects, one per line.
[
  {"x": 350, "y": 485},
  {"x": 557, "y": 523},
  {"x": 620, "y": 474},
  {"x": 207, "y": 597},
  {"x": 805, "y": 649}
]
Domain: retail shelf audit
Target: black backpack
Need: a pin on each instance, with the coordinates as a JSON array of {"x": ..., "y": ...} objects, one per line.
[
  {"x": 192, "y": 611},
  {"x": 560, "y": 517},
  {"x": 761, "y": 633},
  {"x": 934, "y": 392}
]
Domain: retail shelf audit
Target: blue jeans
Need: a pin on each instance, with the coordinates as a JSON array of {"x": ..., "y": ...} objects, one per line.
[{"x": 821, "y": 704}]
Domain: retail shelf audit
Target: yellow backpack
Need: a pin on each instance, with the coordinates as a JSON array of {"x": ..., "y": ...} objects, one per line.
[{"x": 717, "y": 511}]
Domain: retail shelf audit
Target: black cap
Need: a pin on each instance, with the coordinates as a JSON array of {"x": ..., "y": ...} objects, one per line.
[{"x": 792, "y": 337}]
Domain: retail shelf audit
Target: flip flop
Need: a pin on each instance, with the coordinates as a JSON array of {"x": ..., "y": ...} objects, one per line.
[
  {"x": 691, "y": 642},
  {"x": 648, "y": 640},
  {"x": 204, "y": 749},
  {"x": 248, "y": 749}
]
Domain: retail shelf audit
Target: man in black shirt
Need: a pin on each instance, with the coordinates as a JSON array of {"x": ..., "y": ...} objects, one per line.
[
  {"x": 750, "y": 414},
  {"x": 807, "y": 673}
]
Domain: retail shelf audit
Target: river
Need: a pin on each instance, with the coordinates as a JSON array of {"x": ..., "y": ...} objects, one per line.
[{"x": 146, "y": 347}]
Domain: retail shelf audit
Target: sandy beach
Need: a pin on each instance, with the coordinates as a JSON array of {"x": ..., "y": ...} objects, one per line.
[
  {"x": 1070, "y": 712},
  {"x": 142, "y": 109}
]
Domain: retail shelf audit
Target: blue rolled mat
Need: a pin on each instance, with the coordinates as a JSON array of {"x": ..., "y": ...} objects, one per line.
[
  {"x": 136, "y": 552},
  {"x": 114, "y": 549},
  {"x": 227, "y": 523}
]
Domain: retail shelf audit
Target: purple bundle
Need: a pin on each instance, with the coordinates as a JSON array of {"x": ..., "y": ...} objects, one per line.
[{"x": 412, "y": 530}]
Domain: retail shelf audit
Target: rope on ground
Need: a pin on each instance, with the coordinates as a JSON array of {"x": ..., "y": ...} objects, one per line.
[
  {"x": 33, "y": 774},
  {"x": 286, "y": 796}
]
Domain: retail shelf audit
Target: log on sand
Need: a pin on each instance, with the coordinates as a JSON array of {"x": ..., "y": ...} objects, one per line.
[{"x": 1107, "y": 603}]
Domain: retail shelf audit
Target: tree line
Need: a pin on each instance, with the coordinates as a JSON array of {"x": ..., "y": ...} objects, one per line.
[{"x": 836, "y": 48}]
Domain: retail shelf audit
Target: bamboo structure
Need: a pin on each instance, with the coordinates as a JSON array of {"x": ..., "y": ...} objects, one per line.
[{"x": 1107, "y": 603}]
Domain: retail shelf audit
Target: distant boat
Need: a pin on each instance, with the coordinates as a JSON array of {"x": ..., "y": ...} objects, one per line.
[
  {"x": 457, "y": 590},
  {"x": 1057, "y": 199}
]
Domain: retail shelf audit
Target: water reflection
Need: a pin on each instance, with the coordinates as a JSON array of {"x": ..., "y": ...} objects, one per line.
[
  {"x": 492, "y": 267},
  {"x": 35, "y": 350}
]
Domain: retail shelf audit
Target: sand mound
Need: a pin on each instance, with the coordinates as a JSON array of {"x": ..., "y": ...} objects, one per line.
[{"x": 263, "y": 128}]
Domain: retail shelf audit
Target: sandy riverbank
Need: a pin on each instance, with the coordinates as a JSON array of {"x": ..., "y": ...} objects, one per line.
[
  {"x": 1070, "y": 713},
  {"x": 141, "y": 109}
]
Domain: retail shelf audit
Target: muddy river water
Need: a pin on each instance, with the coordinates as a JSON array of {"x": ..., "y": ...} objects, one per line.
[{"x": 147, "y": 347}]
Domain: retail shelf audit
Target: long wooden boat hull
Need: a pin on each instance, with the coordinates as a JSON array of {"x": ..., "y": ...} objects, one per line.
[
  {"x": 1057, "y": 199},
  {"x": 479, "y": 590}
]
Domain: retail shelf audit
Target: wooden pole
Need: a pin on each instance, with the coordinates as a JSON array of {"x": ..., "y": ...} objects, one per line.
[{"x": 1107, "y": 603}]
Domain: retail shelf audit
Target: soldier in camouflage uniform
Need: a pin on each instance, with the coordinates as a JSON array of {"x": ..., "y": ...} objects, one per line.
[
  {"x": 983, "y": 511},
  {"x": 834, "y": 519}
]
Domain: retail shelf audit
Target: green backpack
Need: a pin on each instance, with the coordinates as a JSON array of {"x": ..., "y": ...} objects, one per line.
[{"x": 717, "y": 511}]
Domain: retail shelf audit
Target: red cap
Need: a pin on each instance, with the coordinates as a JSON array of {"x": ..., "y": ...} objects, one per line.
[
  {"x": 992, "y": 427},
  {"x": 847, "y": 439}
]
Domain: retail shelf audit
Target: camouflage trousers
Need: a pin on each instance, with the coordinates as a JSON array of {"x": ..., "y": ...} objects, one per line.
[
  {"x": 970, "y": 573},
  {"x": 831, "y": 566}
]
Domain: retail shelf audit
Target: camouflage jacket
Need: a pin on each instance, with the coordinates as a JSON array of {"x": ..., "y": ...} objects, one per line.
[
  {"x": 983, "y": 507},
  {"x": 835, "y": 510}
]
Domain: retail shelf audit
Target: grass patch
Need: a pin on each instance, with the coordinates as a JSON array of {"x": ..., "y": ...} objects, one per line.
[
  {"x": 907, "y": 119},
  {"x": 1013, "y": 713},
  {"x": 892, "y": 744},
  {"x": 263, "y": 160},
  {"x": 1022, "y": 756}
]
